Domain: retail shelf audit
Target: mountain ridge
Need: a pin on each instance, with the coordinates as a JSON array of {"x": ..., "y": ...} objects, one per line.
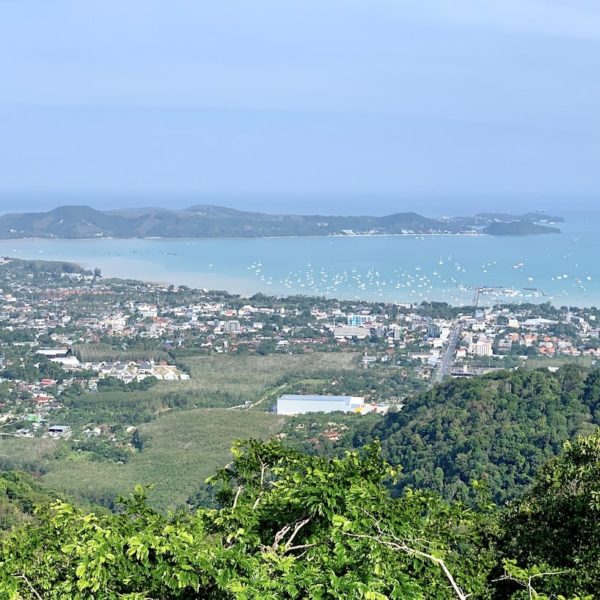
[{"x": 213, "y": 221}]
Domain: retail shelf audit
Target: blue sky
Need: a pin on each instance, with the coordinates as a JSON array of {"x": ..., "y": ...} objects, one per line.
[{"x": 408, "y": 102}]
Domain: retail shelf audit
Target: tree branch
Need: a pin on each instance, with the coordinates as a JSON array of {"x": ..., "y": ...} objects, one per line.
[
  {"x": 530, "y": 589},
  {"x": 300, "y": 547},
  {"x": 263, "y": 468},
  {"x": 237, "y": 495},
  {"x": 32, "y": 589},
  {"x": 280, "y": 535},
  {"x": 299, "y": 526},
  {"x": 402, "y": 547}
]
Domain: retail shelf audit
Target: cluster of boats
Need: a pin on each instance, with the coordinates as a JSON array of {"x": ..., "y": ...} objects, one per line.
[{"x": 415, "y": 284}]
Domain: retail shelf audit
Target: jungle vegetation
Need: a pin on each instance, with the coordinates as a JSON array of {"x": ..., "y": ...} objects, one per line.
[{"x": 290, "y": 525}]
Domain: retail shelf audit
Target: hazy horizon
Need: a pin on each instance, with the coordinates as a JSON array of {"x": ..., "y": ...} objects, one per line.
[
  {"x": 324, "y": 204},
  {"x": 496, "y": 105}
]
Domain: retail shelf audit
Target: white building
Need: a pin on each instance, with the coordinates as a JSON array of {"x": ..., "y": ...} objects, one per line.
[
  {"x": 482, "y": 348},
  {"x": 291, "y": 404},
  {"x": 360, "y": 320},
  {"x": 347, "y": 332},
  {"x": 232, "y": 326},
  {"x": 147, "y": 311}
]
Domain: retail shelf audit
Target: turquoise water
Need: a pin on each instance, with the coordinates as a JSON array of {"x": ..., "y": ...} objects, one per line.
[{"x": 561, "y": 268}]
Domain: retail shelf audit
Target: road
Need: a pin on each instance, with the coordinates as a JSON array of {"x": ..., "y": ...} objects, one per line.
[
  {"x": 444, "y": 366},
  {"x": 265, "y": 396}
]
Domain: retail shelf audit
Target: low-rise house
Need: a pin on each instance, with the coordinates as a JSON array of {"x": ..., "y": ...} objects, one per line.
[{"x": 59, "y": 431}]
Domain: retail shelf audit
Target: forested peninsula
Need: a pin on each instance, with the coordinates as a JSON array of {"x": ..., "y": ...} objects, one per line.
[{"x": 208, "y": 221}]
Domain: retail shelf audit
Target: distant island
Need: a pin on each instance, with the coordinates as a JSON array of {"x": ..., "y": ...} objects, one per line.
[{"x": 207, "y": 221}]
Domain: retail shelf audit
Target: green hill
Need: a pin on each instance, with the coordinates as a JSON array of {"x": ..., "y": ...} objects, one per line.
[
  {"x": 208, "y": 221},
  {"x": 20, "y": 494},
  {"x": 293, "y": 526},
  {"x": 500, "y": 428}
]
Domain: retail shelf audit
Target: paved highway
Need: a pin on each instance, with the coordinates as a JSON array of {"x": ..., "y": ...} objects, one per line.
[{"x": 444, "y": 366}]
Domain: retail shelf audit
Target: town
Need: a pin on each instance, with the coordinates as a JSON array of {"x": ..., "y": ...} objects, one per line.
[{"x": 68, "y": 332}]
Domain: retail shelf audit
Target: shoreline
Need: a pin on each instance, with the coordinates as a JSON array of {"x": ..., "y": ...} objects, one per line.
[
  {"x": 473, "y": 234},
  {"x": 403, "y": 269},
  {"x": 248, "y": 293}
]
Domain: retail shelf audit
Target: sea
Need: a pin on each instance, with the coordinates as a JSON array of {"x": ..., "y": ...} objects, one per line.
[{"x": 560, "y": 268}]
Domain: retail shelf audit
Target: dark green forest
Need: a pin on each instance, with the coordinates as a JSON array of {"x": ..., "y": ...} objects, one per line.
[
  {"x": 217, "y": 221},
  {"x": 292, "y": 525},
  {"x": 484, "y": 488},
  {"x": 499, "y": 429}
]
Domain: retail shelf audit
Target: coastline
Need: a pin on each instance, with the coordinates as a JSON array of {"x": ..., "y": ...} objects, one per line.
[
  {"x": 262, "y": 237},
  {"x": 377, "y": 268},
  {"x": 236, "y": 287}
]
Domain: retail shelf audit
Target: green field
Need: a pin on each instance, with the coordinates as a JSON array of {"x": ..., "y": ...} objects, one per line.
[
  {"x": 99, "y": 351},
  {"x": 34, "y": 455},
  {"x": 540, "y": 362},
  {"x": 218, "y": 381},
  {"x": 249, "y": 377},
  {"x": 182, "y": 448}
]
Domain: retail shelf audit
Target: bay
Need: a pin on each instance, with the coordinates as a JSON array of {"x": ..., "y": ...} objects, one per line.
[{"x": 560, "y": 268}]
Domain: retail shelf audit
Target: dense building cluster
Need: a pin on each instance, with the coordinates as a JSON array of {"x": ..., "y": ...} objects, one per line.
[{"x": 69, "y": 331}]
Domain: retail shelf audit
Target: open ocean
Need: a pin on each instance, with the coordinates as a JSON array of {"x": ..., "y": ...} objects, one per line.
[{"x": 561, "y": 268}]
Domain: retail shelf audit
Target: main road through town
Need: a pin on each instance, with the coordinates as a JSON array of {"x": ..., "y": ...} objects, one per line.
[{"x": 445, "y": 364}]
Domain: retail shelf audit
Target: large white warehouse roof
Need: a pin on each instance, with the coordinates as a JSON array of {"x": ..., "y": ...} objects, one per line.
[{"x": 292, "y": 404}]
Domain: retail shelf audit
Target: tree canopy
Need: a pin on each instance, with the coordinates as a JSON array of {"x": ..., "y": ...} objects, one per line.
[
  {"x": 290, "y": 525},
  {"x": 500, "y": 429}
]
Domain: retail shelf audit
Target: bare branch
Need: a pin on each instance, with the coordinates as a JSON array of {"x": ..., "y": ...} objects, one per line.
[
  {"x": 280, "y": 535},
  {"x": 263, "y": 469},
  {"x": 548, "y": 574},
  {"x": 299, "y": 547},
  {"x": 402, "y": 547},
  {"x": 31, "y": 588},
  {"x": 530, "y": 589},
  {"x": 299, "y": 526},
  {"x": 237, "y": 495},
  {"x": 255, "y": 505}
]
